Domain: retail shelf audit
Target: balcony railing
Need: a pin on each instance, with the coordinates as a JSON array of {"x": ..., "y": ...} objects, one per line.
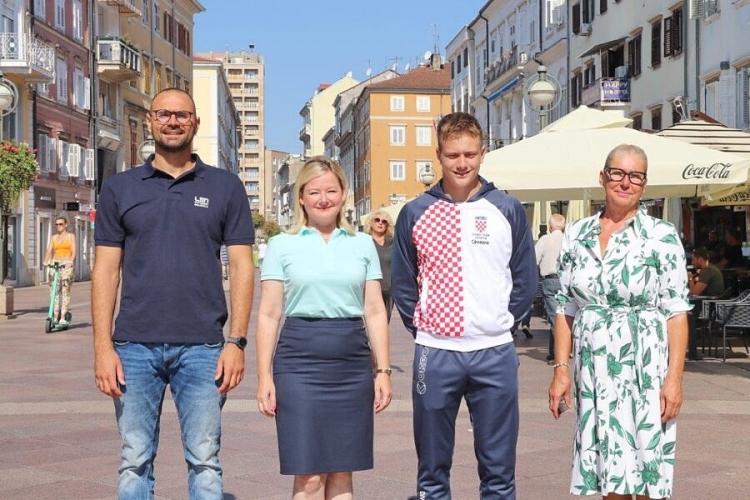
[
  {"x": 304, "y": 132},
  {"x": 117, "y": 60},
  {"x": 124, "y": 7},
  {"x": 28, "y": 56},
  {"x": 508, "y": 61},
  {"x": 607, "y": 92}
]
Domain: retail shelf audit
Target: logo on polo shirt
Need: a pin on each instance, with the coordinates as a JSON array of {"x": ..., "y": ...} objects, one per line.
[{"x": 201, "y": 201}]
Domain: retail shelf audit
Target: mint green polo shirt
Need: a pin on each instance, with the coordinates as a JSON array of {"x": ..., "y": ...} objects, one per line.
[{"x": 322, "y": 280}]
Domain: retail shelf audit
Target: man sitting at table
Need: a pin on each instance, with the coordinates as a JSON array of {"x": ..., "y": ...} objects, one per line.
[{"x": 708, "y": 280}]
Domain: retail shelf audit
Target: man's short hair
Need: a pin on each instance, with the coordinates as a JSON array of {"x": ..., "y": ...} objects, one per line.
[{"x": 701, "y": 252}]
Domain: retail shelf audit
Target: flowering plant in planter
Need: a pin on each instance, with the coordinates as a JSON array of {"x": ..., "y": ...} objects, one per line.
[{"x": 18, "y": 169}]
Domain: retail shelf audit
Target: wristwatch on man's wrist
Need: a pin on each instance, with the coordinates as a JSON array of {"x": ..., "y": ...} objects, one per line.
[
  {"x": 387, "y": 371},
  {"x": 240, "y": 342}
]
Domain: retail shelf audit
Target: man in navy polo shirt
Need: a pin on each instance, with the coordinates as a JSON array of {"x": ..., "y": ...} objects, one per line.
[{"x": 161, "y": 227}]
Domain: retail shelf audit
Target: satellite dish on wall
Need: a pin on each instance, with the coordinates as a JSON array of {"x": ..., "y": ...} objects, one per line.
[{"x": 427, "y": 55}]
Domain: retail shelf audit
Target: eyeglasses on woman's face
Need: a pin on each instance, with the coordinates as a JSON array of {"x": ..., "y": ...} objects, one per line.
[
  {"x": 617, "y": 174},
  {"x": 378, "y": 220},
  {"x": 162, "y": 116}
]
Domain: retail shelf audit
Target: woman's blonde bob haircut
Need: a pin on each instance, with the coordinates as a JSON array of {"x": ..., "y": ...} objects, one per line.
[
  {"x": 383, "y": 215},
  {"x": 312, "y": 169}
]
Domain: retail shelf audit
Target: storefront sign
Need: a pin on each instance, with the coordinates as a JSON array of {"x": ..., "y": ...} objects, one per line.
[{"x": 45, "y": 197}]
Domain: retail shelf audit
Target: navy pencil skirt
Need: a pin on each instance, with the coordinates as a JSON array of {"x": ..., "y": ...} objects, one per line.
[{"x": 324, "y": 396}]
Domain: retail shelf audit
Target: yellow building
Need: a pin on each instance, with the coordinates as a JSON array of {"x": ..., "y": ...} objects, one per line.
[{"x": 396, "y": 136}]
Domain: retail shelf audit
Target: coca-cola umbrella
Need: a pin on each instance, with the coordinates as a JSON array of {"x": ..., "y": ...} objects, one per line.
[{"x": 565, "y": 165}]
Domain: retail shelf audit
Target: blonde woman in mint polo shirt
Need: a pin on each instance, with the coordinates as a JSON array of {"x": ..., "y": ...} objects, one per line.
[{"x": 318, "y": 382}]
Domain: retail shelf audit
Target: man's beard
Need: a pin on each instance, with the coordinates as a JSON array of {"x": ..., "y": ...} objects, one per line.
[{"x": 184, "y": 144}]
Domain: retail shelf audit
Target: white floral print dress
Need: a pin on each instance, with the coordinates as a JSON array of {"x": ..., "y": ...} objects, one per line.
[{"x": 621, "y": 302}]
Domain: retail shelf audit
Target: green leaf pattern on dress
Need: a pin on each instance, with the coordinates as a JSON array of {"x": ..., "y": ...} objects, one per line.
[{"x": 620, "y": 303}]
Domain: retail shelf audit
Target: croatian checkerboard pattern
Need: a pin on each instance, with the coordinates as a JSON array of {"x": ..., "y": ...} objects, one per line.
[{"x": 437, "y": 238}]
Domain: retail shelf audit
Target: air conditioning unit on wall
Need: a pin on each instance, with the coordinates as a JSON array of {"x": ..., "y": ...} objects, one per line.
[{"x": 585, "y": 29}]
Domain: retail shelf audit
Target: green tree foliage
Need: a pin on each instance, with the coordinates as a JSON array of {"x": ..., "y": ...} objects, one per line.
[
  {"x": 258, "y": 221},
  {"x": 270, "y": 228},
  {"x": 18, "y": 169}
]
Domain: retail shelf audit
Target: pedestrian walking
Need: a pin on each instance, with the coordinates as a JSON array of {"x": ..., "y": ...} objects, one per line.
[
  {"x": 380, "y": 226},
  {"x": 161, "y": 227},
  {"x": 547, "y": 251},
  {"x": 463, "y": 275}
]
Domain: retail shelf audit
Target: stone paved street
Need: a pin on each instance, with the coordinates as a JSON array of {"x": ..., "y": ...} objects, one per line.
[{"x": 58, "y": 438}]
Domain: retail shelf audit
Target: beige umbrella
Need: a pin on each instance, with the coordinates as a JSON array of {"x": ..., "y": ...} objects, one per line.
[
  {"x": 565, "y": 165},
  {"x": 585, "y": 118}
]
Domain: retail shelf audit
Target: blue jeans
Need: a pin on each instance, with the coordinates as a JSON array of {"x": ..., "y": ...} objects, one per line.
[
  {"x": 550, "y": 288},
  {"x": 189, "y": 371}
]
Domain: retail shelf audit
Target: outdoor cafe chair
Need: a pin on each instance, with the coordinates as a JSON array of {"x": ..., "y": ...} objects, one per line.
[
  {"x": 735, "y": 316},
  {"x": 707, "y": 316}
]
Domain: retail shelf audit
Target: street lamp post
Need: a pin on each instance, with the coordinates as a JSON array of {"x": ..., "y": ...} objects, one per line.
[
  {"x": 426, "y": 176},
  {"x": 146, "y": 148},
  {"x": 543, "y": 94},
  {"x": 8, "y": 104}
]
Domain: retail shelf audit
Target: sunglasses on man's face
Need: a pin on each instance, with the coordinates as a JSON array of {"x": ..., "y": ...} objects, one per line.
[
  {"x": 379, "y": 220},
  {"x": 59, "y": 223}
]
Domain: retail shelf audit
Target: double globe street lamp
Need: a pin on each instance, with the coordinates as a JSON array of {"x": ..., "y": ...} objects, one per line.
[
  {"x": 542, "y": 94},
  {"x": 426, "y": 176}
]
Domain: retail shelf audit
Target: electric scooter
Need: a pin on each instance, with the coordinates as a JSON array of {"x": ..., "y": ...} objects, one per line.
[{"x": 52, "y": 324}]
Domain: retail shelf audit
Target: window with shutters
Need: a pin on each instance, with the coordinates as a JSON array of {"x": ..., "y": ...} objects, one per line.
[
  {"x": 41, "y": 153},
  {"x": 673, "y": 34},
  {"x": 40, "y": 9},
  {"x": 637, "y": 121},
  {"x": 602, "y": 6},
  {"x": 634, "y": 55},
  {"x": 398, "y": 170},
  {"x": 89, "y": 165},
  {"x": 656, "y": 43},
  {"x": 62, "y": 80},
  {"x": 51, "y": 154},
  {"x": 73, "y": 160},
  {"x": 64, "y": 159},
  {"x": 156, "y": 19},
  {"x": 60, "y": 14},
  {"x": 424, "y": 135},
  {"x": 656, "y": 118},
  {"x": 744, "y": 92},
  {"x": 77, "y": 20},
  {"x": 576, "y": 13},
  {"x": 398, "y": 135}
]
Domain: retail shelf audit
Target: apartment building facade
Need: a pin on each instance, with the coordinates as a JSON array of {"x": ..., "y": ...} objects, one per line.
[
  {"x": 245, "y": 71},
  {"x": 318, "y": 115},
  {"x": 395, "y": 136},
  {"x": 217, "y": 138},
  {"x": 55, "y": 113},
  {"x": 163, "y": 34}
]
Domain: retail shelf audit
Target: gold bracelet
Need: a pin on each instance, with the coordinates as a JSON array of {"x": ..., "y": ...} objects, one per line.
[{"x": 558, "y": 365}]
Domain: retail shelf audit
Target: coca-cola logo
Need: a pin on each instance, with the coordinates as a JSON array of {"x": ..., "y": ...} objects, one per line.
[
  {"x": 744, "y": 196},
  {"x": 715, "y": 171}
]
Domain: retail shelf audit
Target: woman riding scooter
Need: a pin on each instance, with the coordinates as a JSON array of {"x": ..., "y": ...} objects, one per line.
[{"x": 62, "y": 250}]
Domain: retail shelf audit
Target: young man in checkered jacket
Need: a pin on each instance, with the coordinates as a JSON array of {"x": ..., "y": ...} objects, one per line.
[{"x": 464, "y": 271}]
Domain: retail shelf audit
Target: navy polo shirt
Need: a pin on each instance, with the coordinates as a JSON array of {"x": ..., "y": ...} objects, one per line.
[{"x": 171, "y": 232}]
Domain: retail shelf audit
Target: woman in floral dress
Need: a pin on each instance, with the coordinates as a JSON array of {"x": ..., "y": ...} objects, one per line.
[{"x": 624, "y": 298}]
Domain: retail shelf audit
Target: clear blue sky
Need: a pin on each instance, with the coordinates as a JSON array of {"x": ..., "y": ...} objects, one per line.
[{"x": 307, "y": 43}]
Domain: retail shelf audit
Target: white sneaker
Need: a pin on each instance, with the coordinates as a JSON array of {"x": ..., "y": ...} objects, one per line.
[{"x": 63, "y": 323}]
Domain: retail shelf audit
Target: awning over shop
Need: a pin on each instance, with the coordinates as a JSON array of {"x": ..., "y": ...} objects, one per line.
[
  {"x": 504, "y": 89},
  {"x": 603, "y": 46}
]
